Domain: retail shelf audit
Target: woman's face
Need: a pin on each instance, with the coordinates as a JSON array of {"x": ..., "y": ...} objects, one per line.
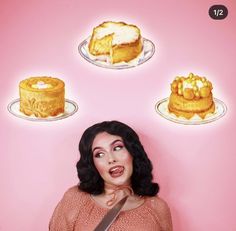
[{"x": 112, "y": 160}]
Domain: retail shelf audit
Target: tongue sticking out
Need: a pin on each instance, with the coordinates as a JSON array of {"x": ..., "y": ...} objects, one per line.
[{"x": 116, "y": 171}]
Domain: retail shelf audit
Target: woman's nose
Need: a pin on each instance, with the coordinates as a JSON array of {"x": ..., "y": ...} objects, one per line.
[{"x": 111, "y": 159}]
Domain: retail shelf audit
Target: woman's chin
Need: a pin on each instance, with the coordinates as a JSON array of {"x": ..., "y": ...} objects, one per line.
[{"x": 119, "y": 182}]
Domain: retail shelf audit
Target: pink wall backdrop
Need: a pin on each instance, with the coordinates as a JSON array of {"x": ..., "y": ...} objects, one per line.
[{"x": 195, "y": 165}]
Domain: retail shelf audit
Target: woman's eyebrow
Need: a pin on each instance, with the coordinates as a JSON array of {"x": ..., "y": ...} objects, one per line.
[
  {"x": 118, "y": 140},
  {"x": 96, "y": 148},
  {"x": 112, "y": 143}
]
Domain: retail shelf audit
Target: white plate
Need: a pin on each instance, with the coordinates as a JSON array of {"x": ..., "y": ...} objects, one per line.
[
  {"x": 70, "y": 108},
  {"x": 102, "y": 61},
  {"x": 162, "y": 109}
]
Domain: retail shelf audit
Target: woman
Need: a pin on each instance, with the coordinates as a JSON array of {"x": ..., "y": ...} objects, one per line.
[{"x": 112, "y": 165}]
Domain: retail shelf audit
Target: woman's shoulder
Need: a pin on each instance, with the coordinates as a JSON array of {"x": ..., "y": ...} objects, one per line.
[
  {"x": 74, "y": 192},
  {"x": 158, "y": 203},
  {"x": 72, "y": 199},
  {"x": 162, "y": 211},
  {"x": 68, "y": 208}
]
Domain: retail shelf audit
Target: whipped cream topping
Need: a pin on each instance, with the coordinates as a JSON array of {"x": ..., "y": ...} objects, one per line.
[
  {"x": 187, "y": 84},
  {"x": 121, "y": 33},
  {"x": 192, "y": 86},
  {"x": 41, "y": 85},
  {"x": 199, "y": 83}
]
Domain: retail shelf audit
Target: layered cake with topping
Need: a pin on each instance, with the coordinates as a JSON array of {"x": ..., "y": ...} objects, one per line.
[
  {"x": 118, "y": 40},
  {"x": 42, "y": 96},
  {"x": 191, "y": 95}
]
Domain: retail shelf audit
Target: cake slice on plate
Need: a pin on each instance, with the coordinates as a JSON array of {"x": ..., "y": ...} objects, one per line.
[{"x": 120, "y": 41}]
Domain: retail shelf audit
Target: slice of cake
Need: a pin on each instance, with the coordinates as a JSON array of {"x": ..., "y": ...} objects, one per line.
[
  {"x": 191, "y": 95},
  {"x": 118, "y": 40},
  {"x": 42, "y": 96}
]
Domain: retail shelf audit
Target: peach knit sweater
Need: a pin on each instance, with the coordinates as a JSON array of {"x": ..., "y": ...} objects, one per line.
[{"x": 77, "y": 211}]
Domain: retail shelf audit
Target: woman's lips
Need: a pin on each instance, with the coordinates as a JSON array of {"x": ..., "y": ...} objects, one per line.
[{"x": 116, "y": 171}]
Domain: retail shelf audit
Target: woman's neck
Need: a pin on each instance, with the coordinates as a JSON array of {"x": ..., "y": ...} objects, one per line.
[
  {"x": 116, "y": 192},
  {"x": 110, "y": 188}
]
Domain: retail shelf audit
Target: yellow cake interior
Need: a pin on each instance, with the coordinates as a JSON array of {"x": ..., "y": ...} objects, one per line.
[
  {"x": 42, "y": 96},
  {"x": 121, "y": 42},
  {"x": 191, "y": 95}
]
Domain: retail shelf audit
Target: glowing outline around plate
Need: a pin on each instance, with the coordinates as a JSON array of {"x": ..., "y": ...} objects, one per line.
[
  {"x": 31, "y": 118},
  {"x": 175, "y": 119}
]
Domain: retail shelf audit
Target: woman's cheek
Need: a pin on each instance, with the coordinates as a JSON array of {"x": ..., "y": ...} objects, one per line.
[
  {"x": 128, "y": 158},
  {"x": 100, "y": 167}
]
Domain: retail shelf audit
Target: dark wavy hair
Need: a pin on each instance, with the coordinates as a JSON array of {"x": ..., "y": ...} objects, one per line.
[{"x": 90, "y": 179}]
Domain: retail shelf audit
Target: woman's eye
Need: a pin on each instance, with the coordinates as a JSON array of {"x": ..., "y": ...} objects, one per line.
[
  {"x": 117, "y": 148},
  {"x": 99, "y": 155}
]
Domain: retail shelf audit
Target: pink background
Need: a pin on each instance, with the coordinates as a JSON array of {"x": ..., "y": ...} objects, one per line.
[{"x": 195, "y": 165}]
